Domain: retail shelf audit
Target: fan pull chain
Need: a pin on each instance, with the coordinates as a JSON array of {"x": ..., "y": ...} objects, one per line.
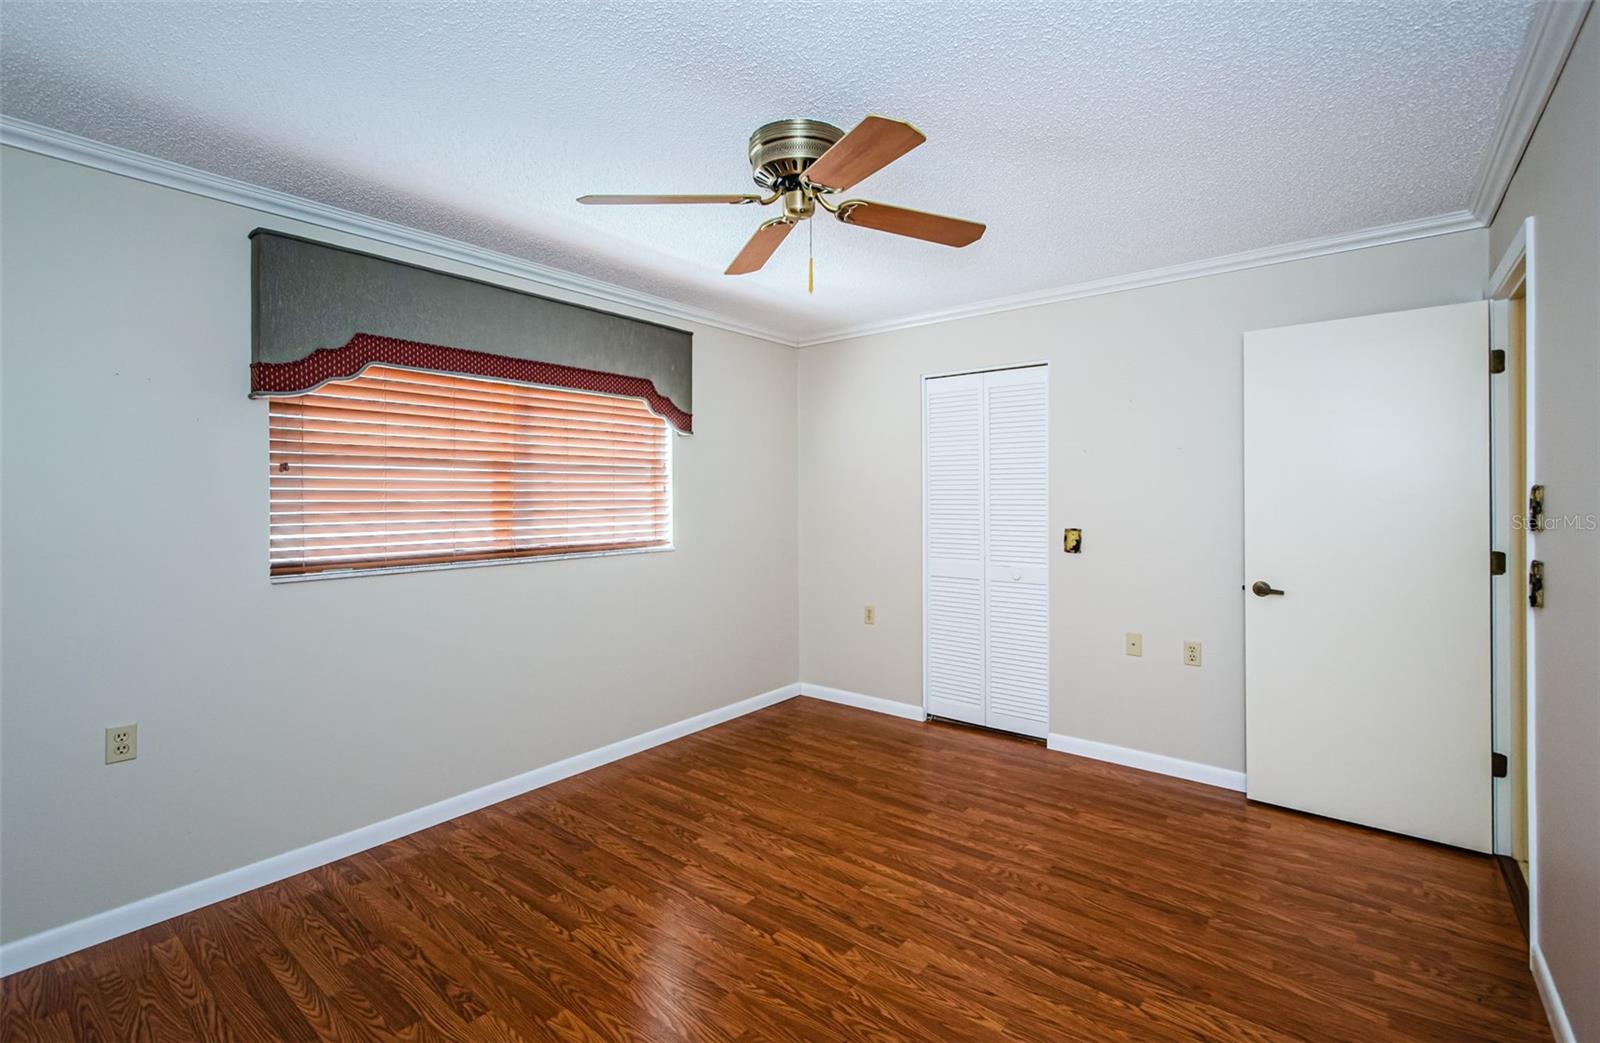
[{"x": 811, "y": 260}]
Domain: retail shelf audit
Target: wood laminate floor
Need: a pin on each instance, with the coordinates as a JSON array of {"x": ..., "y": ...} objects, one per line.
[{"x": 818, "y": 873}]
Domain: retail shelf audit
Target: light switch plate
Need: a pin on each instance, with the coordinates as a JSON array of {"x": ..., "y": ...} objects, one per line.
[
  {"x": 1133, "y": 644},
  {"x": 869, "y": 616}
]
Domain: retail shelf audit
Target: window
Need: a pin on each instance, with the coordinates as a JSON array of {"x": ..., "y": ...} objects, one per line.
[{"x": 398, "y": 469}]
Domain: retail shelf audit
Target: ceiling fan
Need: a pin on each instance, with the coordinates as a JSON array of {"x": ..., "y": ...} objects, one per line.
[{"x": 802, "y": 162}]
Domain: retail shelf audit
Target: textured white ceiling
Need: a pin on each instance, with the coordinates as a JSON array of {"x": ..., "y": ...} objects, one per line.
[{"x": 1095, "y": 139}]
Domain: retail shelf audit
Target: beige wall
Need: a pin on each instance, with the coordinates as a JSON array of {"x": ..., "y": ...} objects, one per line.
[
  {"x": 1145, "y": 457},
  {"x": 135, "y": 565},
  {"x": 1558, "y": 184},
  {"x": 271, "y": 717}
]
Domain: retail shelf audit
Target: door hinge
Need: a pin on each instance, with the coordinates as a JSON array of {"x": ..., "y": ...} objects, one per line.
[
  {"x": 1536, "y": 584},
  {"x": 1535, "y": 508},
  {"x": 1497, "y": 563},
  {"x": 1499, "y": 766},
  {"x": 1497, "y": 360}
]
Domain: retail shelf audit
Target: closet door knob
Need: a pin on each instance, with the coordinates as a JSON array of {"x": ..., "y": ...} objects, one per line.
[{"x": 1261, "y": 588}]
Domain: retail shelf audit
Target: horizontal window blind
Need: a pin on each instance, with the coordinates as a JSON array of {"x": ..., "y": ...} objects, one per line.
[{"x": 398, "y": 468}]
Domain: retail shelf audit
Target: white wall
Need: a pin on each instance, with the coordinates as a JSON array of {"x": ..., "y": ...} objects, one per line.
[
  {"x": 135, "y": 564},
  {"x": 1558, "y": 184},
  {"x": 1146, "y": 457}
]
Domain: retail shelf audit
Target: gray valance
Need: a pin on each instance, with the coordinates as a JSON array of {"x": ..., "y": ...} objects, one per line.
[{"x": 326, "y": 313}]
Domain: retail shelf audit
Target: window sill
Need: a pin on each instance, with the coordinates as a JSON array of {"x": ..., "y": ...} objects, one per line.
[{"x": 312, "y": 577}]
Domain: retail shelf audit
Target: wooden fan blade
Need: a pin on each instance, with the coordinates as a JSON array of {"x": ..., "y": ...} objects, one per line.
[
  {"x": 933, "y": 228},
  {"x": 872, "y": 145},
  {"x": 760, "y": 246},
  {"x": 635, "y": 200}
]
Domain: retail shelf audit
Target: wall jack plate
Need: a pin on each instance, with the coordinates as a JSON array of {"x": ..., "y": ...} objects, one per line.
[{"x": 122, "y": 743}]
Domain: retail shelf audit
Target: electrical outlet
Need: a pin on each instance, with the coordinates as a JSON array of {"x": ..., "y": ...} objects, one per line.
[
  {"x": 1133, "y": 644},
  {"x": 1191, "y": 653},
  {"x": 122, "y": 743},
  {"x": 869, "y": 616}
]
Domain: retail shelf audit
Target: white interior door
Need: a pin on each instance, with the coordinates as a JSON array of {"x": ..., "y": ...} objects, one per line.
[
  {"x": 953, "y": 540},
  {"x": 986, "y": 524},
  {"x": 1366, "y": 447},
  {"x": 1016, "y": 511}
]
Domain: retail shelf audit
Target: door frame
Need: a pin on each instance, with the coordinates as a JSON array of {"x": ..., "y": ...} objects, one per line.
[
  {"x": 1517, "y": 270},
  {"x": 922, "y": 451}
]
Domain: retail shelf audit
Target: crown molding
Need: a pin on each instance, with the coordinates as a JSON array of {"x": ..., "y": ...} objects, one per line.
[
  {"x": 1544, "y": 53},
  {"x": 1383, "y": 235},
  {"x": 1549, "y": 41},
  {"x": 73, "y": 148}
]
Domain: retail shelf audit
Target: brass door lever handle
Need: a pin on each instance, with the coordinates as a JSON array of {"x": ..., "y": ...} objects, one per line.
[{"x": 1261, "y": 588}]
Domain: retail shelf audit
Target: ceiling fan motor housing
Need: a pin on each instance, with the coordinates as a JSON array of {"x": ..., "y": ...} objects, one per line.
[{"x": 781, "y": 151}]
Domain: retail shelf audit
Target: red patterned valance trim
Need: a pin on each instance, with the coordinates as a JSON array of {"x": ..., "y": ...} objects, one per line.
[{"x": 328, "y": 364}]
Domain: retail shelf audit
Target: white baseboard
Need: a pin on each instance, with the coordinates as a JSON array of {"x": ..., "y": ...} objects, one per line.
[
  {"x": 876, "y": 704},
  {"x": 1554, "y": 1009},
  {"x": 92, "y": 930},
  {"x": 1208, "y": 774}
]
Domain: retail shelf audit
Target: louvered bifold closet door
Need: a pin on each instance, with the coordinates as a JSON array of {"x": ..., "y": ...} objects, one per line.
[
  {"x": 397, "y": 468},
  {"x": 1016, "y": 501},
  {"x": 953, "y": 644}
]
